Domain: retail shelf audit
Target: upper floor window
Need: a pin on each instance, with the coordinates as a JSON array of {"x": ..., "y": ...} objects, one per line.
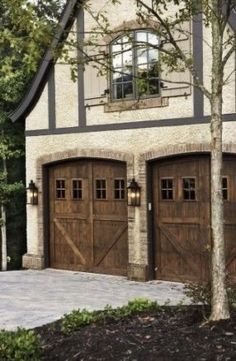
[{"x": 135, "y": 65}]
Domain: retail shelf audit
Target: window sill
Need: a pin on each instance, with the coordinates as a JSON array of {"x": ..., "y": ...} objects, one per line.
[{"x": 134, "y": 104}]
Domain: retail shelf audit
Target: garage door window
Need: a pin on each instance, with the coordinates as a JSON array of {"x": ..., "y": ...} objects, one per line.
[
  {"x": 119, "y": 189},
  {"x": 225, "y": 188},
  {"x": 167, "y": 189},
  {"x": 101, "y": 189},
  {"x": 60, "y": 188},
  {"x": 77, "y": 191},
  {"x": 189, "y": 189}
]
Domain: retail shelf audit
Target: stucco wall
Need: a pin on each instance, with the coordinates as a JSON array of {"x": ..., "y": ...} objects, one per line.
[
  {"x": 178, "y": 108},
  {"x": 38, "y": 118},
  {"x": 67, "y": 106},
  {"x": 229, "y": 98},
  {"x": 66, "y": 89},
  {"x": 133, "y": 141}
]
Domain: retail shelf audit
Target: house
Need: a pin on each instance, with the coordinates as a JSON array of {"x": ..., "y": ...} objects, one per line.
[{"x": 87, "y": 140}]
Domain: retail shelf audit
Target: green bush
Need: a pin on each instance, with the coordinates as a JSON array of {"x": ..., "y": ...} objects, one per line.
[
  {"x": 21, "y": 345},
  {"x": 141, "y": 305},
  {"x": 135, "y": 306},
  {"x": 78, "y": 318}
]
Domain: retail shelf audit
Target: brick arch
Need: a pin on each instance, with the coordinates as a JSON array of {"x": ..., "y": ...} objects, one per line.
[
  {"x": 84, "y": 153},
  {"x": 77, "y": 153},
  {"x": 181, "y": 149},
  {"x": 174, "y": 149}
]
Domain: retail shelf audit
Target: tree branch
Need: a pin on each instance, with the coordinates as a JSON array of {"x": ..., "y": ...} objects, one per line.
[{"x": 197, "y": 82}]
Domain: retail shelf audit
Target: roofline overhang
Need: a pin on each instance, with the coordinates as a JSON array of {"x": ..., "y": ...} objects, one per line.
[{"x": 37, "y": 85}]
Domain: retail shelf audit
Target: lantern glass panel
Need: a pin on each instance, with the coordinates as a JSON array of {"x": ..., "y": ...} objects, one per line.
[
  {"x": 133, "y": 194},
  {"x": 32, "y": 194}
]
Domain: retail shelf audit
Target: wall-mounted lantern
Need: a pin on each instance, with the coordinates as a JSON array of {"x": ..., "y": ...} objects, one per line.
[
  {"x": 32, "y": 193},
  {"x": 134, "y": 193}
]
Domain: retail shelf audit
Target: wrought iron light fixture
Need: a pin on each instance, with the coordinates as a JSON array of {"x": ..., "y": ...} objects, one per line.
[
  {"x": 134, "y": 193},
  {"x": 32, "y": 193}
]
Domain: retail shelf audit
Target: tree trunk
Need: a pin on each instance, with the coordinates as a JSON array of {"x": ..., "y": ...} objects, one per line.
[
  {"x": 220, "y": 307},
  {"x": 3, "y": 227}
]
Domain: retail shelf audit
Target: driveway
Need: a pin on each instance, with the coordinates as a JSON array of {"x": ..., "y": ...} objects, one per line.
[{"x": 32, "y": 298}]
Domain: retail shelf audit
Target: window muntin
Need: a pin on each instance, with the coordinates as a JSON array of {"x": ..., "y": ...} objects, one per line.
[
  {"x": 135, "y": 66},
  {"x": 167, "y": 189},
  {"x": 100, "y": 188},
  {"x": 60, "y": 188},
  {"x": 77, "y": 189},
  {"x": 189, "y": 189},
  {"x": 119, "y": 189},
  {"x": 225, "y": 188}
]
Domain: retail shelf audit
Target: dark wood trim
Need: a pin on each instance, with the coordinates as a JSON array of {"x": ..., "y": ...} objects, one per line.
[
  {"x": 151, "y": 251},
  {"x": 51, "y": 100},
  {"x": 235, "y": 79},
  {"x": 129, "y": 125},
  {"x": 198, "y": 98},
  {"x": 80, "y": 80}
]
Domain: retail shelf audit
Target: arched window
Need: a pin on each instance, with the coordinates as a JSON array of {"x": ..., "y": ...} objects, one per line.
[{"x": 135, "y": 70}]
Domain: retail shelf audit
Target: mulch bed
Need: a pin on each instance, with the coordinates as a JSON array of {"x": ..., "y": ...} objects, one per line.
[{"x": 170, "y": 333}]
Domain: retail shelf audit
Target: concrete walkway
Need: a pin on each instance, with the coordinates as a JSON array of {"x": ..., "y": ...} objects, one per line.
[{"x": 32, "y": 298}]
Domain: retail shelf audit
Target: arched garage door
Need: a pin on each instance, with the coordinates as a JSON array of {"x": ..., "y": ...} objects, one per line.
[
  {"x": 88, "y": 216},
  {"x": 182, "y": 233}
]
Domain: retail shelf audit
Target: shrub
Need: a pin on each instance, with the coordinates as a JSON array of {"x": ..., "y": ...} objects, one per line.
[
  {"x": 78, "y": 318},
  {"x": 134, "y": 306},
  {"x": 21, "y": 345}
]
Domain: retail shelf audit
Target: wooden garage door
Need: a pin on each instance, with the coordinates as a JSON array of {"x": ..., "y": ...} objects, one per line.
[
  {"x": 229, "y": 193},
  {"x": 88, "y": 216},
  {"x": 182, "y": 234}
]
